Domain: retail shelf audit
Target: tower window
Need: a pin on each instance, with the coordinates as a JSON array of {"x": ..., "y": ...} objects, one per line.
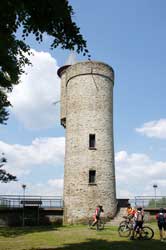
[
  {"x": 92, "y": 176},
  {"x": 92, "y": 141}
]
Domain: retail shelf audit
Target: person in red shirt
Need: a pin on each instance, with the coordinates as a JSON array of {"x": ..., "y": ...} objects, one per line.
[{"x": 96, "y": 217}]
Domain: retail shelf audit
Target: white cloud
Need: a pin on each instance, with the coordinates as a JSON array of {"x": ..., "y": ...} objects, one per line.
[
  {"x": 25, "y": 160},
  {"x": 22, "y": 159},
  {"x": 56, "y": 183},
  {"x": 33, "y": 98},
  {"x": 136, "y": 174},
  {"x": 53, "y": 187},
  {"x": 155, "y": 129}
]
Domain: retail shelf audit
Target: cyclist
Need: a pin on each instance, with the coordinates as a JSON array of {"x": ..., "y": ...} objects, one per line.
[
  {"x": 130, "y": 211},
  {"x": 161, "y": 220},
  {"x": 138, "y": 221},
  {"x": 96, "y": 217}
]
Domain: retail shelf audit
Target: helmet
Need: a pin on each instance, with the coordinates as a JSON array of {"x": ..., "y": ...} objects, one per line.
[{"x": 161, "y": 210}]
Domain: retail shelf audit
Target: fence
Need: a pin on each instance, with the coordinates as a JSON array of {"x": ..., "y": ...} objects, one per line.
[
  {"x": 18, "y": 201},
  {"x": 149, "y": 201}
]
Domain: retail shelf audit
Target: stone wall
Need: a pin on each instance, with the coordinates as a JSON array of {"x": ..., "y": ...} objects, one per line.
[{"x": 14, "y": 217}]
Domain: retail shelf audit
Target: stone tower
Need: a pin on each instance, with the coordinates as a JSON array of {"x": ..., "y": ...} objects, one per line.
[{"x": 87, "y": 115}]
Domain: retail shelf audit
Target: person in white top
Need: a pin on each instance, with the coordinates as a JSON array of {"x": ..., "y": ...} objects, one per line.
[{"x": 138, "y": 221}]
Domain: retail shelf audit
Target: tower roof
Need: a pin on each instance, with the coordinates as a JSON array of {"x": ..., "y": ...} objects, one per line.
[
  {"x": 62, "y": 69},
  {"x": 70, "y": 61}
]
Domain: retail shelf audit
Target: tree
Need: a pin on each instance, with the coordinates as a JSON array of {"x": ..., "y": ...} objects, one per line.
[
  {"x": 53, "y": 17},
  {"x": 157, "y": 203},
  {"x": 4, "y": 176}
]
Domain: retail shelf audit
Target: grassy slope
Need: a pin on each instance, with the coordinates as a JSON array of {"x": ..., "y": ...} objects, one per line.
[{"x": 73, "y": 238}]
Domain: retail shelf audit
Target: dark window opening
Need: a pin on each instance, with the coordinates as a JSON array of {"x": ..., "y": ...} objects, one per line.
[
  {"x": 92, "y": 141},
  {"x": 92, "y": 176}
]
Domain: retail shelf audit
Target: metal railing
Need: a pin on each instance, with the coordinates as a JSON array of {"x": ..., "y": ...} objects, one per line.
[
  {"x": 150, "y": 201},
  {"x": 18, "y": 201}
]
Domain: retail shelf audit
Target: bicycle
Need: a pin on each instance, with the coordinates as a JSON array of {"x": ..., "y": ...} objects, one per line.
[
  {"x": 145, "y": 233},
  {"x": 126, "y": 227},
  {"x": 128, "y": 219},
  {"x": 98, "y": 226}
]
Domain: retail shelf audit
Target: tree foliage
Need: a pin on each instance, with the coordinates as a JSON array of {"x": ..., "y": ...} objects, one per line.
[
  {"x": 157, "y": 203},
  {"x": 4, "y": 176},
  {"x": 38, "y": 17}
]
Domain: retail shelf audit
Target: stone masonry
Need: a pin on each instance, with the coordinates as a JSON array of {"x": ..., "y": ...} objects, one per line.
[{"x": 87, "y": 109}]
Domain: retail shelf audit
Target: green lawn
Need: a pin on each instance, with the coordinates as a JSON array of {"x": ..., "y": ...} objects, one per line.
[{"x": 73, "y": 238}]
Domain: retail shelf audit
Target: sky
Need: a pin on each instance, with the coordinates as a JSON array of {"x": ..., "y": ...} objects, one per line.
[{"x": 131, "y": 37}]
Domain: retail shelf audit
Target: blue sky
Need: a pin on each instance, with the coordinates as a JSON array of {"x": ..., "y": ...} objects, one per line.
[{"x": 128, "y": 35}]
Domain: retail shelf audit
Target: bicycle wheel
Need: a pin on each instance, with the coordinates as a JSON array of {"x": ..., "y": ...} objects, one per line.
[
  {"x": 100, "y": 225},
  {"x": 123, "y": 222},
  {"x": 90, "y": 223},
  {"x": 147, "y": 233},
  {"x": 124, "y": 231}
]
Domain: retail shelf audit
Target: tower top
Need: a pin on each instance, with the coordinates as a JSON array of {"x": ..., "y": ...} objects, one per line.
[
  {"x": 70, "y": 61},
  {"x": 62, "y": 69},
  {"x": 87, "y": 67}
]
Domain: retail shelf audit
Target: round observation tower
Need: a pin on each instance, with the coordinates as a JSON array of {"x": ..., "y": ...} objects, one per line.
[{"x": 87, "y": 115}]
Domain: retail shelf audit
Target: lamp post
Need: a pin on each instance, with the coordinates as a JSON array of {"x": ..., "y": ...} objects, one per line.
[
  {"x": 24, "y": 187},
  {"x": 155, "y": 187},
  {"x": 23, "y": 215}
]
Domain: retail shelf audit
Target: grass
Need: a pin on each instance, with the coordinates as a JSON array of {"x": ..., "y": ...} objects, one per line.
[{"x": 73, "y": 238}]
